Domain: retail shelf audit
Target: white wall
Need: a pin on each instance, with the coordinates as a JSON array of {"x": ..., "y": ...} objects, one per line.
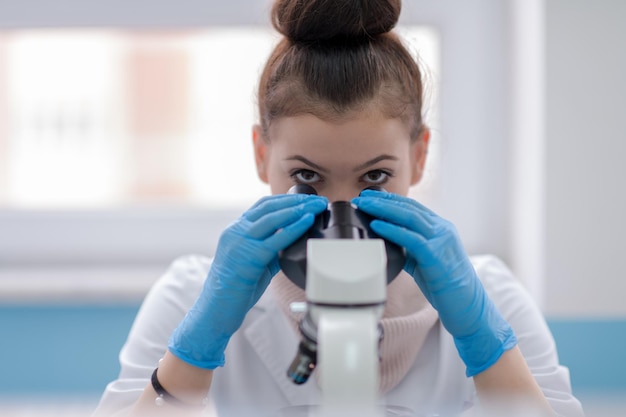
[
  {"x": 474, "y": 99},
  {"x": 586, "y": 157},
  {"x": 136, "y": 13}
]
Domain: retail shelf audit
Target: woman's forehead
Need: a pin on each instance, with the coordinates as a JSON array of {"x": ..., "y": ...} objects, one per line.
[
  {"x": 349, "y": 147},
  {"x": 308, "y": 131}
]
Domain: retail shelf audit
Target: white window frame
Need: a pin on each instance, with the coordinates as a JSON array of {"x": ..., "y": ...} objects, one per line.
[{"x": 474, "y": 182}]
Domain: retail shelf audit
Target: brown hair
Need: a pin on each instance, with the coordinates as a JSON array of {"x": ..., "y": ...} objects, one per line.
[{"x": 335, "y": 58}]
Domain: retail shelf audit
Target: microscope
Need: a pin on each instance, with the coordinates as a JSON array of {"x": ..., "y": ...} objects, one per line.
[{"x": 344, "y": 268}]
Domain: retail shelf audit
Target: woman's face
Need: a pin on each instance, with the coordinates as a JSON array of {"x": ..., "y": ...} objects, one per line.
[{"x": 339, "y": 159}]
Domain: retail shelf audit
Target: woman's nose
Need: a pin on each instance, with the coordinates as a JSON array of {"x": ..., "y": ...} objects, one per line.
[
  {"x": 342, "y": 193},
  {"x": 333, "y": 194}
]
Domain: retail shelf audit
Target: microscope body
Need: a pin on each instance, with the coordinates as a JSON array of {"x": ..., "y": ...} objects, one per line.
[{"x": 344, "y": 268}]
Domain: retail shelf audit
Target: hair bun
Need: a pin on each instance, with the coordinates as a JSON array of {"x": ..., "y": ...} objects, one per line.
[{"x": 323, "y": 20}]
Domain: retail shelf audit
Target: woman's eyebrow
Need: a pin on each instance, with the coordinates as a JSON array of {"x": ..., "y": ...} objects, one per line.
[
  {"x": 364, "y": 165},
  {"x": 306, "y": 161},
  {"x": 374, "y": 161}
]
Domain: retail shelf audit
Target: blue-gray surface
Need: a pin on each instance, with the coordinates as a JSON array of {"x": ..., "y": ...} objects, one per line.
[
  {"x": 72, "y": 350},
  {"x": 61, "y": 349}
]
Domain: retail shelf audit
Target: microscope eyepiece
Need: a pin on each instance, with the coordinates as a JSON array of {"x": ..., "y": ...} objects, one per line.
[
  {"x": 302, "y": 189},
  {"x": 341, "y": 220}
]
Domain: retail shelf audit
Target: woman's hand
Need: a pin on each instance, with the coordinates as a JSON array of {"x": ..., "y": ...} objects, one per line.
[
  {"x": 437, "y": 261},
  {"x": 245, "y": 261}
]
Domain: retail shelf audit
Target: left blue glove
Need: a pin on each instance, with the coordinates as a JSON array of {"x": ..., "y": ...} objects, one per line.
[
  {"x": 437, "y": 261},
  {"x": 245, "y": 261}
]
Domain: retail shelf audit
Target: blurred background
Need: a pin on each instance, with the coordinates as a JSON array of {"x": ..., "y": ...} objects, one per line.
[{"x": 125, "y": 142}]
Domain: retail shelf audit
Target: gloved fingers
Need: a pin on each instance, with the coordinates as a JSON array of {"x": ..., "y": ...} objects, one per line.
[
  {"x": 270, "y": 199},
  {"x": 434, "y": 271},
  {"x": 414, "y": 242},
  {"x": 277, "y": 202},
  {"x": 409, "y": 214},
  {"x": 272, "y": 221},
  {"x": 396, "y": 198},
  {"x": 264, "y": 281},
  {"x": 290, "y": 233}
]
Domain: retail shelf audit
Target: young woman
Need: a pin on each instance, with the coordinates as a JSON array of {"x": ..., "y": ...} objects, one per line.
[{"x": 340, "y": 105}]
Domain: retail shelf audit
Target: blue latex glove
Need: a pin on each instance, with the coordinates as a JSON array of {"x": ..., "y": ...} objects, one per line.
[
  {"x": 245, "y": 261},
  {"x": 437, "y": 261}
]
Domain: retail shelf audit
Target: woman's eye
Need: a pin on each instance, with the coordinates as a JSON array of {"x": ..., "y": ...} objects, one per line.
[
  {"x": 376, "y": 177},
  {"x": 305, "y": 176}
]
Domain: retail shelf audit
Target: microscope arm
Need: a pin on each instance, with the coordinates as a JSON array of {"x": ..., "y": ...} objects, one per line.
[
  {"x": 348, "y": 343},
  {"x": 346, "y": 291}
]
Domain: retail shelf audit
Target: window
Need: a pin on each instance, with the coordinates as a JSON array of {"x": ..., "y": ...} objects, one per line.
[{"x": 111, "y": 118}]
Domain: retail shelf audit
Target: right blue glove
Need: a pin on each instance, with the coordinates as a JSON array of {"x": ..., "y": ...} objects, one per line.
[
  {"x": 437, "y": 261},
  {"x": 245, "y": 261}
]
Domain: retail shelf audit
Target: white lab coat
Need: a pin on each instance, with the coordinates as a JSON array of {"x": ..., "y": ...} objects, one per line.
[{"x": 253, "y": 382}]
